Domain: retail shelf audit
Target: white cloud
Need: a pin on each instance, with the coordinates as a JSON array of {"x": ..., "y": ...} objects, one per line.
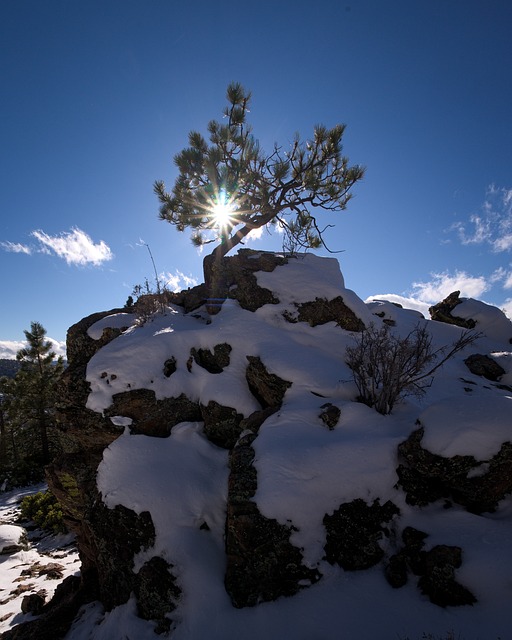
[
  {"x": 16, "y": 247},
  {"x": 9, "y": 348},
  {"x": 255, "y": 234},
  {"x": 508, "y": 281},
  {"x": 494, "y": 223},
  {"x": 75, "y": 247},
  {"x": 178, "y": 281},
  {"x": 442, "y": 284}
]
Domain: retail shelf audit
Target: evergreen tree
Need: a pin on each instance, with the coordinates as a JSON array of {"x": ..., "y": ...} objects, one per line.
[
  {"x": 229, "y": 186},
  {"x": 29, "y": 398}
]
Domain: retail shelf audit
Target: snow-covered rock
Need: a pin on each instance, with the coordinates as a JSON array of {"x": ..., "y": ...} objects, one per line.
[{"x": 203, "y": 443}]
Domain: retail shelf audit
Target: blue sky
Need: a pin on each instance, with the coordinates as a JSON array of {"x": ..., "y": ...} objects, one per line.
[{"x": 97, "y": 98}]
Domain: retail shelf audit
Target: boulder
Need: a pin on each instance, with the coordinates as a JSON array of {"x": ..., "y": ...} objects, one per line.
[
  {"x": 330, "y": 414},
  {"x": 213, "y": 362},
  {"x": 485, "y": 366},
  {"x": 267, "y": 388},
  {"x": 33, "y": 603},
  {"x": 436, "y": 569},
  {"x": 443, "y": 311},
  {"x": 157, "y": 593},
  {"x": 354, "y": 531},
  {"x": 426, "y": 477},
  {"x": 438, "y": 582},
  {"x": 221, "y": 424},
  {"x": 321, "y": 311},
  {"x": 12, "y": 539},
  {"x": 150, "y": 416}
]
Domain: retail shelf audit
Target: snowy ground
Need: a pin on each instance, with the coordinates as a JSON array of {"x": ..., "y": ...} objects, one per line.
[{"x": 41, "y": 567}]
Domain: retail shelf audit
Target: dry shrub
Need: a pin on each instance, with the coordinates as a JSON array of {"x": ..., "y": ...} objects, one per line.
[{"x": 386, "y": 367}]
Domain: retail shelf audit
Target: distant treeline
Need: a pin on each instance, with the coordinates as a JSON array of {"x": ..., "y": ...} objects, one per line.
[{"x": 9, "y": 368}]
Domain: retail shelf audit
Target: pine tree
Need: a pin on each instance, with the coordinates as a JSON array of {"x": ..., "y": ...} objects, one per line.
[
  {"x": 29, "y": 398},
  {"x": 228, "y": 187}
]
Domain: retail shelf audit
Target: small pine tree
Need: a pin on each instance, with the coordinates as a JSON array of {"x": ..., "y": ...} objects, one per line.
[
  {"x": 229, "y": 186},
  {"x": 29, "y": 398}
]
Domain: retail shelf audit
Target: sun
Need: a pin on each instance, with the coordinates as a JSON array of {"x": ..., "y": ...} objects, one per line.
[
  {"x": 222, "y": 211},
  {"x": 222, "y": 214}
]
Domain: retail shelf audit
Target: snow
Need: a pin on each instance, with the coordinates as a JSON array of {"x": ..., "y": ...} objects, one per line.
[
  {"x": 10, "y": 536},
  {"x": 113, "y": 321},
  {"x": 490, "y": 320},
  {"x": 41, "y": 550},
  {"x": 304, "y": 469},
  {"x": 470, "y": 426}
]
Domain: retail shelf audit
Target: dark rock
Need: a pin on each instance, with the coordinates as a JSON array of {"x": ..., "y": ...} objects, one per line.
[
  {"x": 189, "y": 299},
  {"x": 233, "y": 277},
  {"x": 321, "y": 311},
  {"x": 52, "y": 571},
  {"x": 427, "y": 477},
  {"x": 256, "y": 419},
  {"x": 157, "y": 593},
  {"x": 395, "y": 571},
  {"x": 354, "y": 531},
  {"x": 410, "y": 557},
  {"x": 485, "y": 366},
  {"x": 221, "y": 424},
  {"x": 262, "y": 564},
  {"x": 56, "y": 616},
  {"x": 80, "y": 347},
  {"x": 33, "y": 603},
  {"x": 436, "y": 569},
  {"x": 115, "y": 553},
  {"x": 414, "y": 541},
  {"x": 266, "y": 387},
  {"x": 213, "y": 362},
  {"x": 150, "y": 416},
  {"x": 442, "y": 311},
  {"x": 439, "y": 583},
  {"x": 330, "y": 415},
  {"x": 169, "y": 367}
]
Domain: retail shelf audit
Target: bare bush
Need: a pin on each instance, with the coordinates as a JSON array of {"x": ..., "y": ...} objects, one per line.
[
  {"x": 386, "y": 367},
  {"x": 150, "y": 302}
]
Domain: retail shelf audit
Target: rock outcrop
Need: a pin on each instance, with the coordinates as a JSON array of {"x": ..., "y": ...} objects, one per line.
[
  {"x": 444, "y": 312},
  {"x": 427, "y": 477},
  {"x": 231, "y": 381}
]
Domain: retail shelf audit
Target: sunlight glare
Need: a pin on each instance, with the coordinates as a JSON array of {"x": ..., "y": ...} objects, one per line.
[{"x": 222, "y": 210}]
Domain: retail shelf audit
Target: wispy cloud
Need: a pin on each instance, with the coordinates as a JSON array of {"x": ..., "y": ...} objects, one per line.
[
  {"x": 16, "y": 247},
  {"x": 75, "y": 247},
  {"x": 492, "y": 225}
]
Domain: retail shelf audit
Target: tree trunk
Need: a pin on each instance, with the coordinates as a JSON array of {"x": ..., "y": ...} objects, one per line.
[
  {"x": 3, "y": 439},
  {"x": 45, "y": 449},
  {"x": 213, "y": 268}
]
